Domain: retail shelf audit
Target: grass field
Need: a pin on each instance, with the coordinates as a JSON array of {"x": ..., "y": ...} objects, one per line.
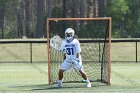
[
  {"x": 32, "y": 78},
  {"x": 18, "y": 75}
]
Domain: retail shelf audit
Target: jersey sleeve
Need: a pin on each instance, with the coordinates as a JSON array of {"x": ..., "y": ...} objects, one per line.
[{"x": 78, "y": 48}]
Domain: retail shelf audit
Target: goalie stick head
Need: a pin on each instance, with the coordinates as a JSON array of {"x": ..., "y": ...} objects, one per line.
[{"x": 55, "y": 42}]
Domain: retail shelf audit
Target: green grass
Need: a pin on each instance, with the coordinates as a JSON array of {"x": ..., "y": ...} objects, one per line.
[
  {"x": 22, "y": 53},
  {"x": 29, "y": 78},
  {"x": 125, "y": 51},
  {"x": 32, "y": 78}
]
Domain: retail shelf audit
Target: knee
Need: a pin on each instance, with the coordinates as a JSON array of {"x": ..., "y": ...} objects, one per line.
[{"x": 61, "y": 70}]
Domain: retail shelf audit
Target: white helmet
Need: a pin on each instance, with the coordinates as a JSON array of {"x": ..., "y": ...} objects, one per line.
[{"x": 69, "y": 33}]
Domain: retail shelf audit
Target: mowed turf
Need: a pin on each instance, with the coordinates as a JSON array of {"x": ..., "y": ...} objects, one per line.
[{"x": 32, "y": 78}]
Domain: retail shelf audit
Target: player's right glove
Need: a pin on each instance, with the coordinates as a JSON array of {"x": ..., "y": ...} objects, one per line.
[{"x": 76, "y": 60}]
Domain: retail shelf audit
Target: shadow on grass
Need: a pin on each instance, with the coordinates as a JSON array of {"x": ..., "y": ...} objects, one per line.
[
  {"x": 34, "y": 87},
  {"x": 53, "y": 86}
]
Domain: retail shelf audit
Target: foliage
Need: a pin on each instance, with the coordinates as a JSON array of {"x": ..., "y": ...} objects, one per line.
[{"x": 125, "y": 15}]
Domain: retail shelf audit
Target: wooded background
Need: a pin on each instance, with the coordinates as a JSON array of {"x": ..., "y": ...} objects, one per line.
[{"x": 27, "y": 18}]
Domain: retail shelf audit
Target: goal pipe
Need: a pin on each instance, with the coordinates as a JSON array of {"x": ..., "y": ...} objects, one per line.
[{"x": 80, "y": 19}]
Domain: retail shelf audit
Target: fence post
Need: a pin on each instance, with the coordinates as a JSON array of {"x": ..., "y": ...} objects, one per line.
[
  {"x": 99, "y": 52},
  {"x": 30, "y": 52},
  {"x": 136, "y": 52}
]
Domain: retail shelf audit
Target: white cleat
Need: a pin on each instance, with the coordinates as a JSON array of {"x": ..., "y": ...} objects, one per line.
[
  {"x": 59, "y": 85},
  {"x": 88, "y": 85}
]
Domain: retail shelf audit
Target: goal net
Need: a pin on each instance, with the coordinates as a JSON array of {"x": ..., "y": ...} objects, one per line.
[{"x": 94, "y": 35}]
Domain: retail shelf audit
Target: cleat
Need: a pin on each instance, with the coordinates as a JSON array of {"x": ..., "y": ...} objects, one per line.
[
  {"x": 88, "y": 85},
  {"x": 59, "y": 85}
]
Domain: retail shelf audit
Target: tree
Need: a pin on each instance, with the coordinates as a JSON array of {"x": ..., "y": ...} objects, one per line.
[
  {"x": 95, "y": 8},
  {"x": 117, "y": 9},
  {"x": 101, "y": 8},
  {"x": 19, "y": 21},
  {"x": 82, "y": 10},
  {"x": 64, "y": 9},
  {"x": 2, "y": 10},
  {"x": 27, "y": 17},
  {"x": 50, "y": 7},
  {"x": 133, "y": 19},
  {"x": 40, "y": 19},
  {"x": 20, "y": 18}
]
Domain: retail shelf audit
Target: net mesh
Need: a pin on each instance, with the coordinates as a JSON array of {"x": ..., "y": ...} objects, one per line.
[{"x": 93, "y": 36}]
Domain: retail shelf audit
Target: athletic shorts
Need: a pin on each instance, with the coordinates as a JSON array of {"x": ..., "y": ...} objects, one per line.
[{"x": 68, "y": 65}]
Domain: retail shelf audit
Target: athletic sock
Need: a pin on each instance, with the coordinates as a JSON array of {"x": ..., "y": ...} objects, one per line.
[{"x": 59, "y": 81}]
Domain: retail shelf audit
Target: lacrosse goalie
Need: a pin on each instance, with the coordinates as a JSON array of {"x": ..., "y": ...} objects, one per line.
[{"x": 72, "y": 58}]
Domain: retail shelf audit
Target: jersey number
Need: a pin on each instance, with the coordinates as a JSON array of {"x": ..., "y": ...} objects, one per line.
[{"x": 70, "y": 51}]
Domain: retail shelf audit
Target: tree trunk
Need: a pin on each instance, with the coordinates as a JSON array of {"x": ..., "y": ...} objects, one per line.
[
  {"x": 94, "y": 8},
  {"x": 101, "y": 8},
  {"x": 82, "y": 10},
  {"x": 19, "y": 16},
  {"x": 22, "y": 18},
  {"x": 50, "y": 7},
  {"x": 19, "y": 25},
  {"x": 64, "y": 9},
  {"x": 40, "y": 19},
  {"x": 27, "y": 18},
  {"x": 2, "y": 10},
  {"x": 88, "y": 9},
  {"x": 74, "y": 10}
]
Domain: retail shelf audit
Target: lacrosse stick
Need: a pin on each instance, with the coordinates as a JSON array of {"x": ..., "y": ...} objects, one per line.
[{"x": 55, "y": 42}]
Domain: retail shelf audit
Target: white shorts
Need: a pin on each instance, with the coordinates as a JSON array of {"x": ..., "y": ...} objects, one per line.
[{"x": 68, "y": 65}]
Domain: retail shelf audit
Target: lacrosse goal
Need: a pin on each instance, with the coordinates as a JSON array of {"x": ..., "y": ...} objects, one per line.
[{"x": 94, "y": 35}]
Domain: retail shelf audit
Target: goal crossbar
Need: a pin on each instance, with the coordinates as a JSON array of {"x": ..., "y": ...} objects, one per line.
[{"x": 61, "y": 19}]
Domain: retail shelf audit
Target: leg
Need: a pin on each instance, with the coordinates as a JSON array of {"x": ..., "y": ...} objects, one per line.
[
  {"x": 60, "y": 74},
  {"x": 84, "y": 75},
  {"x": 64, "y": 66},
  {"x": 79, "y": 67},
  {"x": 60, "y": 77}
]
